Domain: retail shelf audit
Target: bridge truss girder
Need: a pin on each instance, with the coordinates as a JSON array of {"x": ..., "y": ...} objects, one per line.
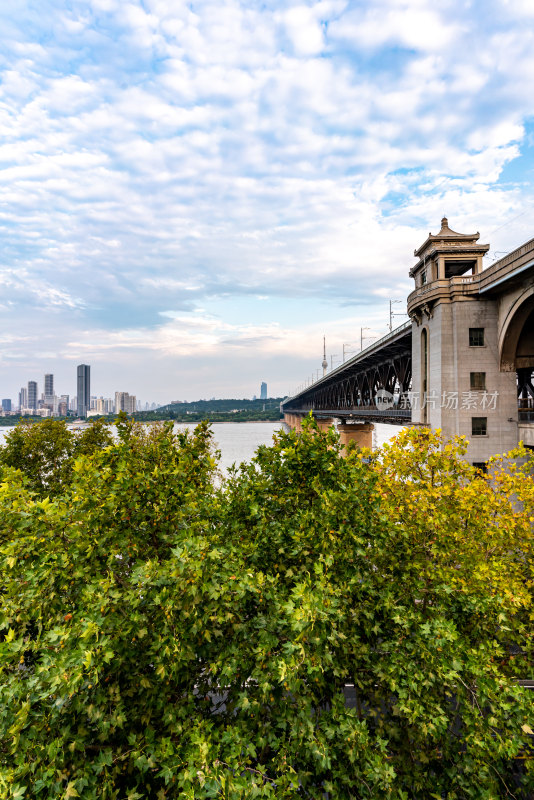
[{"x": 353, "y": 386}]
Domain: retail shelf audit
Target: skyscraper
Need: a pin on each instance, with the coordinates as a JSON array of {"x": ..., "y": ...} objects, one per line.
[
  {"x": 84, "y": 389},
  {"x": 32, "y": 395},
  {"x": 23, "y": 398},
  {"x": 48, "y": 385},
  {"x": 263, "y": 391}
]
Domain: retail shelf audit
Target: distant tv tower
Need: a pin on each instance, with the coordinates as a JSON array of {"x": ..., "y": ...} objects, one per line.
[{"x": 325, "y": 362}]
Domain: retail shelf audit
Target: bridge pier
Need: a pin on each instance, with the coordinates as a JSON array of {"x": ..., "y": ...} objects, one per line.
[
  {"x": 293, "y": 421},
  {"x": 360, "y": 434},
  {"x": 324, "y": 423},
  {"x": 526, "y": 434},
  {"x": 473, "y": 342},
  {"x": 460, "y": 365}
]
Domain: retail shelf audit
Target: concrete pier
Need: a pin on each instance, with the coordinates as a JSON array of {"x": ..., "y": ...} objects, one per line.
[{"x": 359, "y": 433}]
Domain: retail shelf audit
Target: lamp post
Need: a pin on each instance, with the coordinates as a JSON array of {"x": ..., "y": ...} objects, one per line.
[
  {"x": 393, "y": 314},
  {"x": 362, "y": 337}
]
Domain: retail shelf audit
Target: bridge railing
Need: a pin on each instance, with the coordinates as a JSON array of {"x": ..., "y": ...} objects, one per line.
[
  {"x": 369, "y": 348},
  {"x": 362, "y": 354}
]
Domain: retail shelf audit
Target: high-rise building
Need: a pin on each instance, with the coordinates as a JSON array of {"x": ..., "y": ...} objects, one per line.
[
  {"x": 23, "y": 398},
  {"x": 83, "y": 389},
  {"x": 49, "y": 399},
  {"x": 263, "y": 391},
  {"x": 104, "y": 405},
  {"x": 32, "y": 395},
  {"x": 125, "y": 402},
  {"x": 48, "y": 385},
  {"x": 6, "y": 405}
]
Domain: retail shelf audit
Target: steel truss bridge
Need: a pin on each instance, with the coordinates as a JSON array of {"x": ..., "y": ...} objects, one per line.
[{"x": 349, "y": 391}]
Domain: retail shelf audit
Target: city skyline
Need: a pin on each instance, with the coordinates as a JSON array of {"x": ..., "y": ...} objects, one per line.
[
  {"x": 193, "y": 195},
  {"x": 82, "y": 404},
  {"x": 123, "y": 400}
]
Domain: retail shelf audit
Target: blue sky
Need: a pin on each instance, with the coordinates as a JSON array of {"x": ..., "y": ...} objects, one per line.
[{"x": 192, "y": 194}]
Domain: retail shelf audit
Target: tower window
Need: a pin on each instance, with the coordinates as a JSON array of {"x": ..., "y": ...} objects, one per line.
[
  {"x": 477, "y": 380},
  {"x": 456, "y": 267},
  {"x": 476, "y": 337},
  {"x": 479, "y": 426}
]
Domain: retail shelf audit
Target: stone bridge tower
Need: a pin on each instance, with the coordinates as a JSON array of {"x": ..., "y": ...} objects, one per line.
[{"x": 458, "y": 383}]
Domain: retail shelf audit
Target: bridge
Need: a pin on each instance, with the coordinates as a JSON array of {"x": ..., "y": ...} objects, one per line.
[{"x": 464, "y": 362}]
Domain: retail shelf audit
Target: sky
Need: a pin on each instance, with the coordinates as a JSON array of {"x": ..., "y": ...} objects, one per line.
[{"x": 193, "y": 194}]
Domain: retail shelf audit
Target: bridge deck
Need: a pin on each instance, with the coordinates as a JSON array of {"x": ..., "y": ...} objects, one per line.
[{"x": 348, "y": 391}]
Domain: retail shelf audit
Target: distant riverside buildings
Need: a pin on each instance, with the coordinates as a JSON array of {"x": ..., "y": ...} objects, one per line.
[
  {"x": 125, "y": 402},
  {"x": 102, "y": 405},
  {"x": 83, "y": 404},
  {"x": 263, "y": 391},
  {"x": 83, "y": 385}
]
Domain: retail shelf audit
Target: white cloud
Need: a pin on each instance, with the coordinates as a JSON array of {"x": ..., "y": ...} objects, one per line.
[
  {"x": 304, "y": 30},
  {"x": 519, "y": 8},
  {"x": 416, "y": 26},
  {"x": 158, "y": 155}
]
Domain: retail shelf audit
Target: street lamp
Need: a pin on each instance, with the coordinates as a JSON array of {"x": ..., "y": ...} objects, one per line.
[
  {"x": 393, "y": 314},
  {"x": 362, "y": 337}
]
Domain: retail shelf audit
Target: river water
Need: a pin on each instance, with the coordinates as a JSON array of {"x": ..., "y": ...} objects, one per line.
[{"x": 238, "y": 441}]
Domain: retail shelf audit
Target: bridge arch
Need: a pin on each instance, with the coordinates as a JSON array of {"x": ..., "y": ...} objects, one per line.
[
  {"x": 517, "y": 334},
  {"x": 517, "y": 347}
]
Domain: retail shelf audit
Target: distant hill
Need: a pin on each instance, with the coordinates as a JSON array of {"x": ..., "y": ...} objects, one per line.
[
  {"x": 210, "y": 406},
  {"x": 227, "y": 410}
]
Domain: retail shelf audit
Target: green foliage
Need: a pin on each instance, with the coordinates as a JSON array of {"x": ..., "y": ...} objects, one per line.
[
  {"x": 45, "y": 451},
  {"x": 17, "y": 419},
  {"x": 222, "y": 405},
  {"x": 162, "y": 637}
]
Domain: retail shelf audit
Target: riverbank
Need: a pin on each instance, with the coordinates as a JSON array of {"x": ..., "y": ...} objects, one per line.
[{"x": 185, "y": 419}]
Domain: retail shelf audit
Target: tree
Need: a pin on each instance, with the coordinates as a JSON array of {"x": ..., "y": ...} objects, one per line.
[
  {"x": 164, "y": 637},
  {"x": 42, "y": 451},
  {"x": 45, "y": 451}
]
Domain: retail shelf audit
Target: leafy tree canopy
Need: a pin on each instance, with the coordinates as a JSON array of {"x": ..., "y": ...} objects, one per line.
[
  {"x": 317, "y": 625},
  {"x": 45, "y": 451}
]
